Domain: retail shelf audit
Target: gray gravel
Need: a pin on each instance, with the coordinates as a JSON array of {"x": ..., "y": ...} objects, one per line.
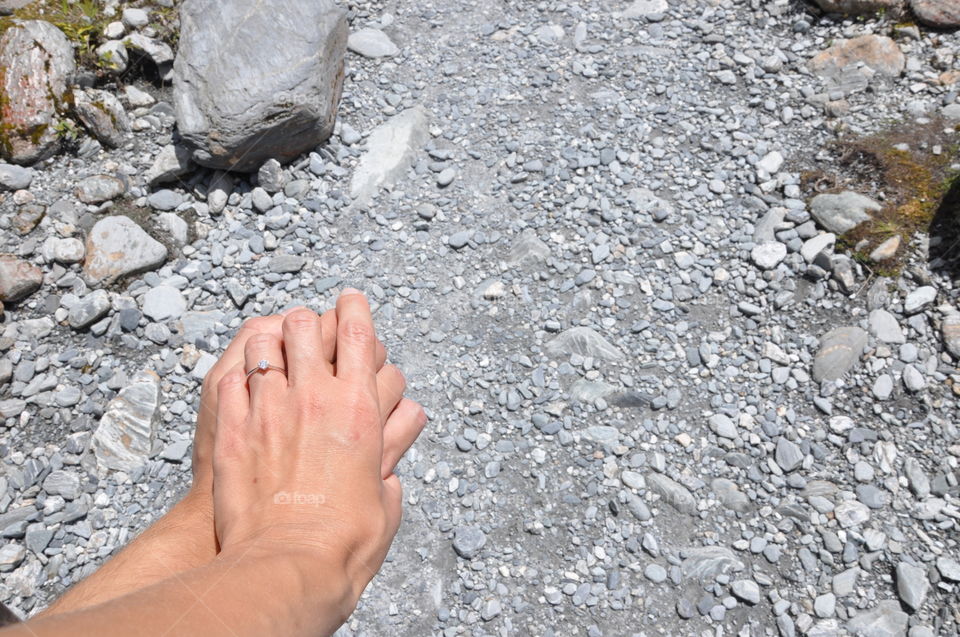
[{"x": 662, "y": 400}]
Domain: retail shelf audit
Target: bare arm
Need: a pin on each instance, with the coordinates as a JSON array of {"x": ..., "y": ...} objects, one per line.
[{"x": 247, "y": 592}]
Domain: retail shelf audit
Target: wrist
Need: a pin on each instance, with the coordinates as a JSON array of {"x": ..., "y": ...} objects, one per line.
[{"x": 299, "y": 575}]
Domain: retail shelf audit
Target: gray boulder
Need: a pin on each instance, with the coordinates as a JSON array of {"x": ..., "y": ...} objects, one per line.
[
  {"x": 856, "y": 7},
  {"x": 37, "y": 60},
  {"x": 240, "y": 99}
]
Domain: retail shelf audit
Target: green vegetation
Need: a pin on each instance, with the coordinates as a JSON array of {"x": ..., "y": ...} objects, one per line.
[{"x": 908, "y": 168}]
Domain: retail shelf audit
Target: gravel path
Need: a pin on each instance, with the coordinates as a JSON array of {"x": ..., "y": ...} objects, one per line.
[{"x": 584, "y": 233}]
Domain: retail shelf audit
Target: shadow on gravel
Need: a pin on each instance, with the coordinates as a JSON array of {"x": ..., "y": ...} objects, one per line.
[{"x": 945, "y": 234}]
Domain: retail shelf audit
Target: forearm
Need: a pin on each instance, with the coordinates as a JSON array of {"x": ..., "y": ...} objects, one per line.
[
  {"x": 181, "y": 540},
  {"x": 234, "y": 595}
]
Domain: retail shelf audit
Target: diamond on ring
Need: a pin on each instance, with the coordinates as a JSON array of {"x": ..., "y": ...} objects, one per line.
[{"x": 263, "y": 366}]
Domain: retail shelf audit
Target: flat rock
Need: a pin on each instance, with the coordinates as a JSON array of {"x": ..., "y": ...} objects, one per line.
[
  {"x": 13, "y": 177},
  {"x": 99, "y": 188},
  {"x": 38, "y": 62},
  {"x": 288, "y": 101},
  {"x": 730, "y": 495},
  {"x": 18, "y": 278},
  {"x": 528, "y": 248},
  {"x": 287, "y": 263},
  {"x": 124, "y": 438},
  {"x": 746, "y": 591},
  {"x": 164, "y": 303},
  {"x": 63, "y": 483},
  {"x": 372, "y": 43},
  {"x": 672, "y": 492},
  {"x": 920, "y": 299},
  {"x": 643, "y": 8},
  {"x": 89, "y": 310},
  {"x": 878, "y": 52},
  {"x": 103, "y": 115},
  {"x": 707, "y": 562},
  {"x": 814, "y": 246},
  {"x": 944, "y": 14},
  {"x": 116, "y": 247},
  {"x": 585, "y": 342},
  {"x": 843, "y": 212},
  {"x": 389, "y": 153},
  {"x": 885, "y": 327},
  {"x": 164, "y": 199},
  {"x": 851, "y": 513},
  {"x": 912, "y": 585},
  {"x": 840, "y": 350},
  {"x": 172, "y": 162},
  {"x": 884, "y": 620},
  {"x": 886, "y": 250}
]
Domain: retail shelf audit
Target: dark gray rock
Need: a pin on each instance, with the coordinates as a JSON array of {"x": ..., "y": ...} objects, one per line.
[{"x": 289, "y": 94}]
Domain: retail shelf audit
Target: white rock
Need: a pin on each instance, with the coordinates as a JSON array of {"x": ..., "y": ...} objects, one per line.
[
  {"x": 771, "y": 163},
  {"x": 164, "y": 303},
  {"x": 920, "y": 299},
  {"x": 124, "y": 438},
  {"x": 390, "y": 149},
  {"x": 812, "y": 247},
  {"x": 768, "y": 255},
  {"x": 372, "y": 43}
]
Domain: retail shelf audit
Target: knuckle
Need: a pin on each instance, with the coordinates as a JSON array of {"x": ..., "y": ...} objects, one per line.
[
  {"x": 230, "y": 382},
  {"x": 358, "y": 332},
  {"x": 361, "y": 406},
  {"x": 301, "y": 320},
  {"x": 261, "y": 341},
  {"x": 256, "y": 324}
]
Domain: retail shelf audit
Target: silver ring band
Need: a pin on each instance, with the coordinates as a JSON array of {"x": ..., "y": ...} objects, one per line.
[{"x": 263, "y": 367}]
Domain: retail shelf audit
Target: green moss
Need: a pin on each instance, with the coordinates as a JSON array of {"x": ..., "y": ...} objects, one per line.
[{"x": 899, "y": 168}]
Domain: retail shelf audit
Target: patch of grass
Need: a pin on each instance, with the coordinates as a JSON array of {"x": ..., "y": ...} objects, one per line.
[
  {"x": 908, "y": 168},
  {"x": 82, "y": 21}
]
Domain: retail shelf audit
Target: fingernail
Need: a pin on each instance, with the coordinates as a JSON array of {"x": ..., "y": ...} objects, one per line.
[
  {"x": 348, "y": 291},
  {"x": 293, "y": 309}
]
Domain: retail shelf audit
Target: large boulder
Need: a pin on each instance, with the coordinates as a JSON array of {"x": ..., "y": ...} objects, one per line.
[
  {"x": 240, "y": 98},
  {"x": 36, "y": 62},
  {"x": 944, "y": 14}
]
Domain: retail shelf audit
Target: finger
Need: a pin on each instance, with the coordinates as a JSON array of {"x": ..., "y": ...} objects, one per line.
[
  {"x": 356, "y": 338},
  {"x": 328, "y": 323},
  {"x": 402, "y": 428},
  {"x": 303, "y": 344},
  {"x": 393, "y": 503},
  {"x": 390, "y": 387},
  {"x": 265, "y": 386},
  {"x": 328, "y": 326},
  {"x": 234, "y": 355},
  {"x": 234, "y": 403}
]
